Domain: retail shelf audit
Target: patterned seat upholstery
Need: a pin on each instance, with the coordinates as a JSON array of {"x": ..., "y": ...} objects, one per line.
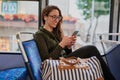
[
  {"x": 14, "y": 74},
  {"x": 31, "y": 55}
]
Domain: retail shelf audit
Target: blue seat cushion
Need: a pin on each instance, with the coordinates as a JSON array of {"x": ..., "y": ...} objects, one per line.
[{"x": 14, "y": 74}]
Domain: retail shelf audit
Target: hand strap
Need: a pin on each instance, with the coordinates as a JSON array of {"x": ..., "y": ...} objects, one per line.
[{"x": 70, "y": 60}]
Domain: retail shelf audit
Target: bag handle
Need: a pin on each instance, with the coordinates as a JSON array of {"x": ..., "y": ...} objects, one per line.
[{"x": 67, "y": 60}]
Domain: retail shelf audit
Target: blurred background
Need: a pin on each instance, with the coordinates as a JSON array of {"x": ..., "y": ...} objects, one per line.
[{"x": 89, "y": 17}]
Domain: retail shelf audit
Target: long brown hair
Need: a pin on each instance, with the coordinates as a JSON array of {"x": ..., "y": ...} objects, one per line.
[{"x": 57, "y": 31}]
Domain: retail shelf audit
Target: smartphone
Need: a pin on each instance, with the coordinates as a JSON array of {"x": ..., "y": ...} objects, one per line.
[{"x": 75, "y": 33}]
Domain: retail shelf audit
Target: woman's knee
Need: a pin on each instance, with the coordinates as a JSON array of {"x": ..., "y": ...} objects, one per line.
[
  {"x": 92, "y": 49},
  {"x": 89, "y": 47}
]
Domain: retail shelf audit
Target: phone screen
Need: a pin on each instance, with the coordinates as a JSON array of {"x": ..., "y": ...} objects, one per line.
[{"x": 75, "y": 33}]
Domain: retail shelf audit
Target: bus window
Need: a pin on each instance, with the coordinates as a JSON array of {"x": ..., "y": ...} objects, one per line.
[{"x": 16, "y": 16}]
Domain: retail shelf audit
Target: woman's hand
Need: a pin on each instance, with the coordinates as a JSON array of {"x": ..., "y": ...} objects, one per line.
[
  {"x": 72, "y": 42},
  {"x": 67, "y": 41}
]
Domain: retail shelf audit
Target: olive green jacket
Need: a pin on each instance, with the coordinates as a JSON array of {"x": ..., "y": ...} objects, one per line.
[{"x": 48, "y": 45}]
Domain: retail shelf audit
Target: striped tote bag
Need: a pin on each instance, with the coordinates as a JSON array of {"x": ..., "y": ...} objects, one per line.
[{"x": 51, "y": 71}]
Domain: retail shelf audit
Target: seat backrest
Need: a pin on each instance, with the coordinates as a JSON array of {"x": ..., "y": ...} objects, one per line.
[
  {"x": 31, "y": 57},
  {"x": 111, "y": 49},
  {"x": 113, "y": 60},
  {"x": 10, "y": 60}
]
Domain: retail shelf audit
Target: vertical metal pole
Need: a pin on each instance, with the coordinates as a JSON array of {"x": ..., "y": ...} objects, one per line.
[
  {"x": 42, "y": 4},
  {"x": 114, "y": 18},
  {"x": 39, "y": 12}
]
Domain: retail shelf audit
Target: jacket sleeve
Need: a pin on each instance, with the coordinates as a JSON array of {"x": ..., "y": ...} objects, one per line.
[
  {"x": 67, "y": 50},
  {"x": 44, "y": 52}
]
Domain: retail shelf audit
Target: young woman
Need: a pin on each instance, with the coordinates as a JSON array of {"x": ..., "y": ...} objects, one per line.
[{"x": 53, "y": 44}]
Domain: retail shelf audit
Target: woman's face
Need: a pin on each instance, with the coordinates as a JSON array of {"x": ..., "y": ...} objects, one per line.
[{"x": 52, "y": 19}]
